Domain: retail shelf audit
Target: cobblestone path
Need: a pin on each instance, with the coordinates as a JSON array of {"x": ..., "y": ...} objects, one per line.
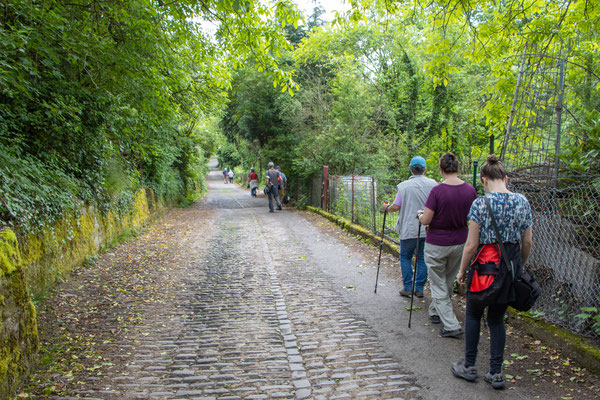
[
  {"x": 254, "y": 317},
  {"x": 224, "y": 300}
]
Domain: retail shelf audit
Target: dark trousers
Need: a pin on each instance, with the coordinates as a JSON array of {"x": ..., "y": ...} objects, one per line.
[{"x": 495, "y": 320}]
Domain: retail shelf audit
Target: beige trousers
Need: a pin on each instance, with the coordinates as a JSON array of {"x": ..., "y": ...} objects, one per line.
[{"x": 443, "y": 264}]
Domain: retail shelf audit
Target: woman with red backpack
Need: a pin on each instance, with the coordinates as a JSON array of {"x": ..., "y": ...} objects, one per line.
[{"x": 512, "y": 215}]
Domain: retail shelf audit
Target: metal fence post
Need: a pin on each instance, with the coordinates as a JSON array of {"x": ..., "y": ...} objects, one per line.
[
  {"x": 373, "y": 205},
  {"x": 514, "y": 105},
  {"x": 352, "y": 210},
  {"x": 559, "y": 108},
  {"x": 475, "y": 163},
  {"x": 325, "y": 186}
]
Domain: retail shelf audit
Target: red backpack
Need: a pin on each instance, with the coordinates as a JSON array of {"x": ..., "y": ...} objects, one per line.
[
  {"x": 488, "y": 256},
  {"x": 489, "y": 280}
]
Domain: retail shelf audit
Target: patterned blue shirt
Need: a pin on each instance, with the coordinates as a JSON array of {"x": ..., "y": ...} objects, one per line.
[{"x": 512, "y": 213}]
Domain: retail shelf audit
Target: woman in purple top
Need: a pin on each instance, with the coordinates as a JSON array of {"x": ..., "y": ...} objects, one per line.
[{"x": 445, "y": 214}]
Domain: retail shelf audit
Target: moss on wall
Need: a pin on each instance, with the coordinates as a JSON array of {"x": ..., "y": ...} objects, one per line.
[
  {"x": 53, "y": 253},
  {"x": 388, "y": 245},
  {"x": 10, "y": 257},
  {"x": 576, "y": 347},
  {"x": 36, "y": 263},
  {"x": 18, "y": 327},
  {"x": 32, "y": 264},
  {"x": 141, "y": 211}
]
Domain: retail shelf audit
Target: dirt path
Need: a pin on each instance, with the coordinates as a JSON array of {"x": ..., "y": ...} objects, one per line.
[{"x": 224, "y": 300}]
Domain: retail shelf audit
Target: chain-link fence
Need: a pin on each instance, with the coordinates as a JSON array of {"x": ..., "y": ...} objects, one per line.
[
  {"x": 353, "y": 197},
  {"x": 549, "y": 153},
  {"x": 358, "y": 199},
  {"x": 550, "y": 148},
  {"x": 565, "y": 255}
]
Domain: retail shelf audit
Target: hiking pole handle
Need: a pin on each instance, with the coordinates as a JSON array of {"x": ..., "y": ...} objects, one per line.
[{"x": 381, "y": 245}]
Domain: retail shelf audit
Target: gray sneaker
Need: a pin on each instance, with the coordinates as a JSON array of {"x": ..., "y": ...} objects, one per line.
[
  {"x": 496, "y": 380},
  {"x": 451, "y": 334},
  {"x": 467, "y": 373},
  {"x": 405, "y": 293}
]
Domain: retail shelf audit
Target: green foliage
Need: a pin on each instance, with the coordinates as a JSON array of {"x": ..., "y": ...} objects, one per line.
[
  {"x": 583, "y": 154},
  {"x": 97, "y": 99},
  {"x": 240, "y": 176},
  {"x": 208, "y": 136},
  {"x": 397, "y": 79},
  {"x": 591, "y": 316},
  {"x": 33, "y": 193},
  {"x": 228, "y": 155}
]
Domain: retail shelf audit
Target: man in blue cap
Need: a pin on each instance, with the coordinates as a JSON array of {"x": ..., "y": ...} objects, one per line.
[{"x": 411, "y": 197}]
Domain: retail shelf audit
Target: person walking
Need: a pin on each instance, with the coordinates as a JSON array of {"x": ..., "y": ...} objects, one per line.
[
  {"x": 445, "y": 214},
  {"x": 272, "y": 186},
  {"x": 225, "y": 176},
  {"x": 282, "y": 183},
  {"x": 230, "y": 174},
  {"x": 411, "y": 197},
  {"x": 253, "y": 178},
  {"x": 513, "y": 217}
]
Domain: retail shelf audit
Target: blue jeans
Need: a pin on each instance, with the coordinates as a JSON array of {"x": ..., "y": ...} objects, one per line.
[
  {"x": 253, "y": 192},
  {"x": 407, "y": 250},
  {"x": 273, "y": 193}
]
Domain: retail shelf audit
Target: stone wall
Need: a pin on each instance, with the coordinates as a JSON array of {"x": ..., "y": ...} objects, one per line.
[
  {"x": 31, "y": 265},
  {"x": 18, "y": 328}
]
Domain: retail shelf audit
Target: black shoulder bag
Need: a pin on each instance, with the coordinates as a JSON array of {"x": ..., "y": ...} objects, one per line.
[{"x": 525, "y": 287}]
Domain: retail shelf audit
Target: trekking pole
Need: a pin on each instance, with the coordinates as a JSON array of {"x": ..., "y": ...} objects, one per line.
[
  {"x": 381, "y": 246},
  {"x": 412, "y": 292}
]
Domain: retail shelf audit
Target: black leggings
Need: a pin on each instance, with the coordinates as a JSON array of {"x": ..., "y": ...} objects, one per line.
[{"x": 495, "y": 319}]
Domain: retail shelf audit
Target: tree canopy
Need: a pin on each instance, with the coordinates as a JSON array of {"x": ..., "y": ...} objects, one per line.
[
  {"x": 391, "y": 79},
  {"x": 99, "y": 97}
]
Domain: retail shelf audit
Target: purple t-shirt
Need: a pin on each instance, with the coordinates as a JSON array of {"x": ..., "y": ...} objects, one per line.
[
  {"x": 450, "y": 204},
  {"x": 398, "y": 199}
]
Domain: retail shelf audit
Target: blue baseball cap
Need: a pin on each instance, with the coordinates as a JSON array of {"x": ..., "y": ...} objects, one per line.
[{"x": 418, "y": 160}]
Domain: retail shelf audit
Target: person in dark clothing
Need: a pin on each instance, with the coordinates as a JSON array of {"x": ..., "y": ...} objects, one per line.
[
  {"x": 273, "y": 186},
  {"x": 513, "y": 217}
]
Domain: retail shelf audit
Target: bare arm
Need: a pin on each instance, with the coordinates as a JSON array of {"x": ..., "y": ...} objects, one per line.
[
  {"x": 427, "y": 216},
  {"x": 390, "y": 207},
  {"x": 526, "y": 244},
  {"x": 469, "y": 251}
]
